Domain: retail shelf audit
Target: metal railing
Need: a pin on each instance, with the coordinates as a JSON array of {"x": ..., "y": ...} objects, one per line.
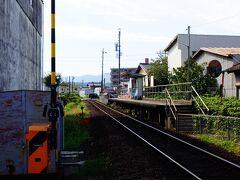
[
  {"x": 170, "y": 104},
  {"x": 181, "y": 91},
  {"x": 200, "y": 103}
]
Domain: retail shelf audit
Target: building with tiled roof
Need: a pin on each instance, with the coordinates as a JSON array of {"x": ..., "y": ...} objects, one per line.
[
  {"x": 229, "y": 59},
  {"x": 177, "y": 49}
]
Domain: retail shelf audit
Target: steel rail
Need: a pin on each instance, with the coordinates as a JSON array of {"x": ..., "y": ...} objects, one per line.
[
  {"x": 198, "y": 148},
  {"x": 154, "y": 147}
]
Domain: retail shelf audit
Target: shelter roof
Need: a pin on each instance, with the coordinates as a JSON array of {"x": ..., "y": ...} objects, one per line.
[{"x": 143, "y": 66}]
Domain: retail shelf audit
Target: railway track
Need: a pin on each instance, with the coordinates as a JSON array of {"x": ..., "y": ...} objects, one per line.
[{"x": 197, "y": 162}]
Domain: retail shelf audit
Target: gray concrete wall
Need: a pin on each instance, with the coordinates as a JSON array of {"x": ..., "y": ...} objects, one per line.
[{"x": 20, "y": 45}]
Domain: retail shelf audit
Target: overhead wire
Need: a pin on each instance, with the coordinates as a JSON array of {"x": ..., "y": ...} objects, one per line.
[{"x": 216, "y": 20}]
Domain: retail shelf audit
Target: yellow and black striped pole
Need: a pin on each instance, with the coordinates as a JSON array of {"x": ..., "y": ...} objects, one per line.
[
  {"x": 53, "y": 112},
  {"x": 53, "y": 55}
]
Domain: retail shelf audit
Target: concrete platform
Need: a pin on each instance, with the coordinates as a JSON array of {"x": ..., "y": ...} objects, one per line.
[{"x": 148, "y": 103}]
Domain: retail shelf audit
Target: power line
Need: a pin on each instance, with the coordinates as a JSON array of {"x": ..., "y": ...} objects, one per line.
[{"x": 217, "y": 20}]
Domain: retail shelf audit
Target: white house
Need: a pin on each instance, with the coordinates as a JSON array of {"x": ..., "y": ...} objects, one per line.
[
  {"x": 177, "y": 49},
  {"x": 227, "y": 57},
  {"x": 142, "y": 69},
  {"x": 236, "y": 70},
  {"x": 139, "y": 80}
]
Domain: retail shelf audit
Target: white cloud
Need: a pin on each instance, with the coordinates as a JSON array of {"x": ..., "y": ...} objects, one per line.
[
  {"x": 84, "y": 27},
  {"x": 141, "y": 37},
  {"x": 85, "y": 33}
]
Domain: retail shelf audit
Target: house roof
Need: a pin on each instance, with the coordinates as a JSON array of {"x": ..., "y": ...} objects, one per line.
[
  {"x": 132, "y": 75},
  {"x": 211, "y": 40},
  {"x": 234, "y": 68},
  {"x": 171, "y": 43},
  {"x": 143, "y": 66},
  {"x": 135, "y": 75},
  {"x": 226, "y": 52}
]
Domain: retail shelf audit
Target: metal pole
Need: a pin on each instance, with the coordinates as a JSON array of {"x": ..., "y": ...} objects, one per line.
[
  {"x": 53, "y": 111},
  {"x": 119, "y": 58},
  {"x": 102, "y": 69},
  {"x": 53, "y": 50},
  {"x": 188, "y": 53},
  {"x": 69, "y": 86},
  {"x": 72, "y": 83}
]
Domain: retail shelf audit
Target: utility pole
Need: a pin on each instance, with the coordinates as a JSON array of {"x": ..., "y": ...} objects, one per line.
[
  {"x": 119, "y": 57},
  {"x": 72, "y": 83},
  {"x": 118, "y": 50},
  {"x": 188, "y": 54},
  {"x": 102, "y": 69},
  {"x": 69, "y": 86}
]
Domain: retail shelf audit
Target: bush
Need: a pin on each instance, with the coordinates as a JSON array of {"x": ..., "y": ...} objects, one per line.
[
  {"x": 72, "y": 97},
  {"x": 229, "y": 106}
]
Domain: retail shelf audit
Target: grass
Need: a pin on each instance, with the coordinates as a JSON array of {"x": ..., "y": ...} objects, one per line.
[
  {"x": 74, "y": 134},
  {"x": 227, "y": 145},
  {"x": 77, "y": 133}
]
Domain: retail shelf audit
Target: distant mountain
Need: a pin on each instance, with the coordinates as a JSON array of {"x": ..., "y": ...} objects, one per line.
[{"x": 89, "y": 78}]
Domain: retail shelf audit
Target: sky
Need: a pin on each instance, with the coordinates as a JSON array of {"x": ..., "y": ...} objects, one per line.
[{"x": 85, "y": 27}]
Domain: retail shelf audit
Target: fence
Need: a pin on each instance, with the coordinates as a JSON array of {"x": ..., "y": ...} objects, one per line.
[
  {"x": 181, "y": 91},
  {"x": 222, "y": 127}
]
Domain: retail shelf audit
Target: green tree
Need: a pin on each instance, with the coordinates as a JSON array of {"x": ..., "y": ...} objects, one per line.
[
  {"x": 203, "y": 83},
  {"x": 47, "y": 80},
  {"x": 159, "y": 69}
]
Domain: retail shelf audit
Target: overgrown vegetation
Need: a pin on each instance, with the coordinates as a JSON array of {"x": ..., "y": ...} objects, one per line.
[
  {"x": 70, "y": 98},
  {"x": 227, "y": 145},
  {"x": 47, "y": 80},
  {"x": 196, "y": 75},
  {"x": 219, "y": 126},
  {"x": 222, "y": 126},
  {"x": 76, "y": 132},
  {"x": 228, "y": 106},
  {"x": 159, "y": 69}
]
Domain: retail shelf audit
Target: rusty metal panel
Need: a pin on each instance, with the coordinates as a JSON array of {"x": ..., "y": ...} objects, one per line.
[{"x": 18, "y": 109}]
